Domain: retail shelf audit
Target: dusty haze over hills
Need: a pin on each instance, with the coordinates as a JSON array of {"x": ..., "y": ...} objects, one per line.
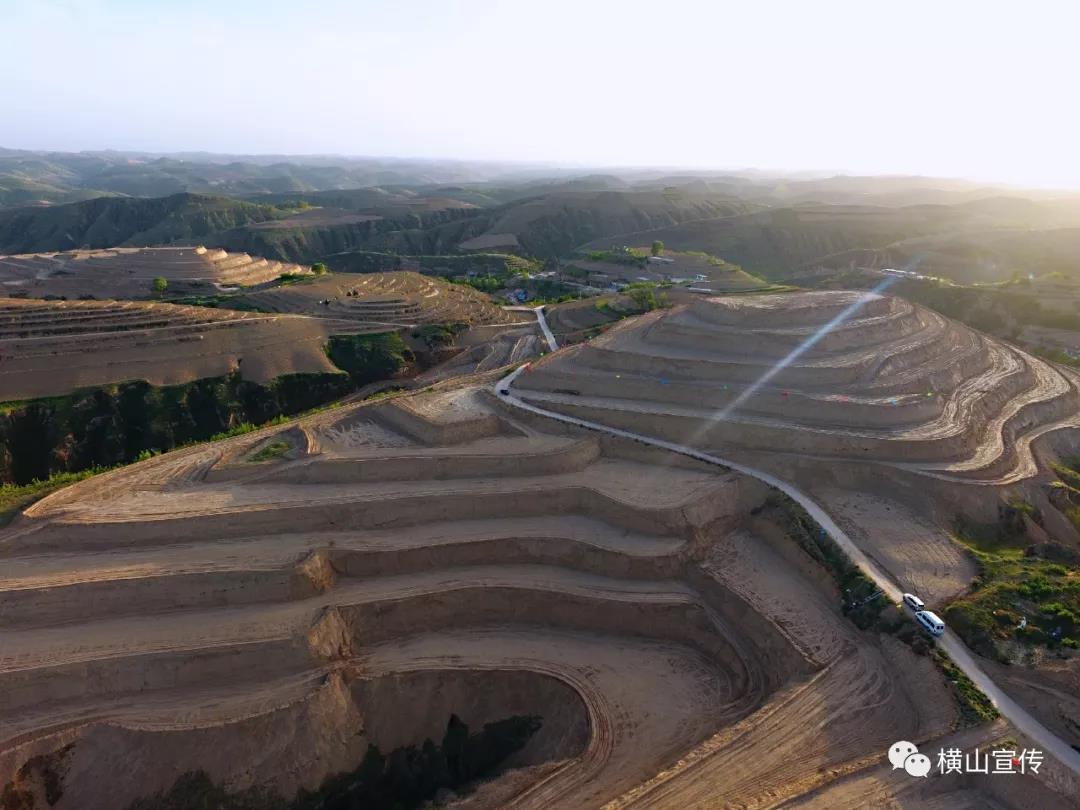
[{"x": 963, "y": 89}]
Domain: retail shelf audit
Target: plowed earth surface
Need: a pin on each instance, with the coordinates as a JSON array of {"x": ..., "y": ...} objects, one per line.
[
  {"x": 399, "y": 298},
  {"x": 846, "y": 376},
  {"x": 54, "y": 347},
  {"x": 265, "y": 621},
  {"x": 128, "y": 272}
]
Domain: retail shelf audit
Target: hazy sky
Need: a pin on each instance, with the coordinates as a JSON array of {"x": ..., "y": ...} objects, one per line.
[{"x": 986, "y": 89}]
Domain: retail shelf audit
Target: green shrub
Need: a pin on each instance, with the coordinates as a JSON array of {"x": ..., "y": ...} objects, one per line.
[
  {"x": 367, "y": 358},
  {"x": 632, "y": 258},
  {"x": 863, "y": 603},
  {"x": 104, "y": 427},
  {"x": 1037, "y": 588},
  {"x": 975, "y": 706},
  {"x": 438, "y": 335},
  {"x": 1014, "y": 581},
  {"x": 271, "y": 451}
]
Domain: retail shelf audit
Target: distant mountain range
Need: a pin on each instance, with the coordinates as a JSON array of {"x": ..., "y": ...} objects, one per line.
[{"x": 306, "y": 209}]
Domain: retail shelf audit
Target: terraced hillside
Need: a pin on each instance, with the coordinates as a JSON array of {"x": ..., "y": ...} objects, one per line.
[
  {"x": 130, "y": 272},
  {"x": 401, "y": 298},
  {"x": 54, "y": 347},
  {"x": 391, "y": 564},
  {"x": 771, "y": 243},
  {"x": 837, "y": 375}
]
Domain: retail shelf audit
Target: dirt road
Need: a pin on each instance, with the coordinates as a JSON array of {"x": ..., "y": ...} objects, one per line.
[{"x": 549, "y": 336}]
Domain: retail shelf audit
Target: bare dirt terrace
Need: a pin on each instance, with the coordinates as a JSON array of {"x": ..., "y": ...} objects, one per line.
[
  {"x": 265, "y": 620},
  {"x": 574, "y": 321},
  {"x": 129, "y": 272},
  {"x": 400, "y": 298},
  {"x": 54, "y": 347},
  {"x": 896, "y": 419},
  {"x": 892, "y": 384}
]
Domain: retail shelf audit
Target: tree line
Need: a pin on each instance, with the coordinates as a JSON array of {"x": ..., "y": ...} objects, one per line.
[{"x": 118, "y": 424}]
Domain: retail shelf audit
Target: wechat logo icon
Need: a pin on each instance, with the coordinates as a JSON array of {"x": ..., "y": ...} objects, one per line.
[{"x": 903, "y": 754}]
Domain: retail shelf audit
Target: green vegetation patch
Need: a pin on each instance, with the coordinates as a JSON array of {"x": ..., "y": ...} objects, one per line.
[
  {"x": 488, "y": 284},
  {"x": 605, "y": 307},
  {"x": 975, "y": 706},
  {"x": 645, "y": 297},
  {"x": 626, "y": 256},
  {"x": 863, "y": 603},
  {"x": 867, "y": 607},
  {"x": 498, "y": 265},
  {"x": 367, "y": 358},
  {"x": 271, "y": 451},
  {"x": 437, "y": 336},
  {"x": 111, "y": 425},
  {"x": 1020, "y": 594},
  {"x": 1055, "y": 355},
  {"x": 288, "y": 279},
  {"x": 16, "y": 497},
  {"x": 1068, "y": 473},
  {"x": 107, "y": 426},
  {"x": 220, "y": 301}
]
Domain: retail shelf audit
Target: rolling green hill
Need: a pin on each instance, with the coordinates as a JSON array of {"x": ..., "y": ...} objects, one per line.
[
  {"x": 977, "y": 240},
  {"x": 114, "y": 221},
  {"x": 978, "y": 256},
  {"x": 980, "y": 240},
  {"x": 35, "y": 177},
  {"x": 362, "y": 219}
]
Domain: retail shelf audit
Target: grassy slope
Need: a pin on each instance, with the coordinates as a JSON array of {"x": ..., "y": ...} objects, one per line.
[
  {"x": 14, "y": 498},
  {"x": 775, "y": 243},
  {"x": 1012, "y": 585},
  {"x": 113, "y": 221}
]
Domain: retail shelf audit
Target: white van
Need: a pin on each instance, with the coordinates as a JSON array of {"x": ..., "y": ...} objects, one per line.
[
  {"x": 914, "y": 602},
  {"x": 928, "y": 619}
]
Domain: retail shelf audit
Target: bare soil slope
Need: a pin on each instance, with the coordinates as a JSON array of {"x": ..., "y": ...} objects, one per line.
[
  {"x": 54, "y": 347},
  {"x": 896, "y": 419},
  {"x": 129, "y": 272},
  {"x": 848, "y": 376},
  {"x": 266, "y": 620},
  {"x": 401, "y": 298}
]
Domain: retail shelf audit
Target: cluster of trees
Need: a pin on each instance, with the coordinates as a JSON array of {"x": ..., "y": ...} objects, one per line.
[
  {"x": 549, "y": 291},
  {"x": 862, "y": 601},
  {"x": 437, "y": 336},
  {"x": 401, "y": 780},
  {"x": 369, "y": 358},
  {"x": 488, "y": 284},
  {"x": 627, "y": 256},
  {"x": 116, "y": 424},
  {"x": 645, "y": 298}
]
